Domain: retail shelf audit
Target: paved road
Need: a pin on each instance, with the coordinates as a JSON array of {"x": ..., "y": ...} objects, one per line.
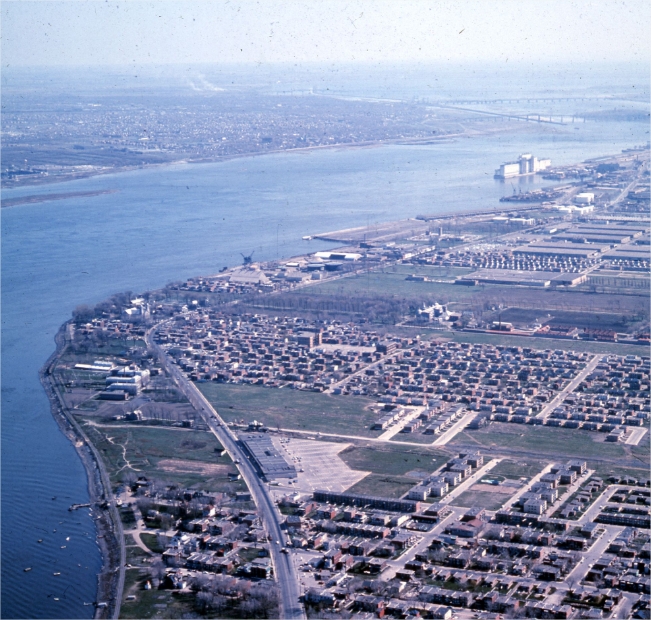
[
  {"x": 397, "y": 427},
  {"x": 455, "y": 429},
  {"x": 592, "y": 555},
  {"x": 525, "y": 489},
  {"x": 570, "y": 387},
  {"x": 421, "y": 545},
  {"x": 573, "y": 488},
  {"x": 284, "y": 568},
  {"x": 469, "y": 481}
]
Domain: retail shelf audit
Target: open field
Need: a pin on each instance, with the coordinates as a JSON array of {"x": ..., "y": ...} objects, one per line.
[
  {"x": 311, "y": 411},
  {"x": 153, "y": 603},
  {"x": 167, "y": 454},
  {"x": 383, "y": 486},
  {"x": 393, "y": 460},
  {"x": 590, "y": 320},
  {"x": 557, "y": 442},
  {"x": 415, "y": 438},
  {"x": 516, "y": 469},
  {"x": 548, "y": 343},
  {"x": 391, "y": 283},
  {"x": 490, "y": 500}
]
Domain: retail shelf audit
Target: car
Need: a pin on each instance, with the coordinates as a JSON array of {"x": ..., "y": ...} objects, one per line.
[
  {"x": 277, "y": 542},
  {"x": 284, "y": 550}
]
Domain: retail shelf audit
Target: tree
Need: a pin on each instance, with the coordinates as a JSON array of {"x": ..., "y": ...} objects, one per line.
[{"x": 82, "y": 314}]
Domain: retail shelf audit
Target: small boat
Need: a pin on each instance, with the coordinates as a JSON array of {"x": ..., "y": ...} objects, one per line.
[
  {"x": 56, "y": 574},
  {"x": 26, "y": 570},
  {"x": 55, "y": 598},
  {"x": 63, "y": 546},
  {"x": 68, "y": 538},
  {"x": 40, "y": 540}
]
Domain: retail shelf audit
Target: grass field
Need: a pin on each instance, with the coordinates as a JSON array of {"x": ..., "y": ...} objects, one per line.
[
  {"x": 557, "y": 442},
  {"x": 383, "y": 486},
  {"x": 415, "y": 438},
  {"x": 516, "y": 469},
  {"x": 393, "y": 460},
  {"x": 153, "y": 603},
  {"x": 548, "y": 343},
  {"x": 393, "y": 283},
  {"x": 484, "y": 499},
  {"x": 591, "y": 320},
  {"x": 310, "y": 411},
  {"x": 181, "y": 457}
]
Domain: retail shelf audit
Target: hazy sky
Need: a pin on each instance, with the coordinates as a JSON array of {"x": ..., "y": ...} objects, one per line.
[{"x": 131, "y": 32}]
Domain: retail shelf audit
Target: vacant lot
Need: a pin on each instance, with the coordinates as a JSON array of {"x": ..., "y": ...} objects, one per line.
[
  {"x": 547, "y": 343},
  {"x": 415, "y": 438},
  {"x": 187, "y": 458},
  {"x": 310, "y": 411},
  {"x": 393, "y": 460},
  {"x": 490, "y": 500},
  {"x": 590, "y": 320},
  {"x": 557, "y": 442},
  {"x": 514, "y": 470},
  {"x": 393, "y": 282},
  {"x": 383, "y": 486}
]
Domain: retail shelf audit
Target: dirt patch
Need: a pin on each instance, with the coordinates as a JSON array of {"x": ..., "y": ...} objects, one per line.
[
  {"x": 193, "y": 445},
  {"x": 193, "y": 467},
  {"x": 492, "y": 488}
]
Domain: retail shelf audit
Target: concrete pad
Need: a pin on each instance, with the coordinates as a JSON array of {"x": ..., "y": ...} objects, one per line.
[
  {"x": 322, "y": 466},
  {"x": 636, "y": 436}
]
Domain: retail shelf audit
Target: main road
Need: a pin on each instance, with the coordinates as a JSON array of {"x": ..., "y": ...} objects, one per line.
[{"x": 284, "y": 568}]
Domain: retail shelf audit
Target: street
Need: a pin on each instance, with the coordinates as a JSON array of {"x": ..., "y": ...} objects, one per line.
[{"x": 285, "y": 571}]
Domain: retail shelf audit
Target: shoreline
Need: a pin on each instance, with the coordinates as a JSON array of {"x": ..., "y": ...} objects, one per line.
[
  {"x": 36, "y": 198},
  {"x": 109, "y": 534},
  {"x": 40, "y": 181}
]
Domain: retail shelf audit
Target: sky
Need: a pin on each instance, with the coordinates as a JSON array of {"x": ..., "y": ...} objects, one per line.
[{"x": 136, "y": 33}]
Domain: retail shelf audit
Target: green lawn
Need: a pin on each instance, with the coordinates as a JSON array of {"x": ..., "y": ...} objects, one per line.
[
  {"x": 393, "y": 283},
  {"x": 548, "y": 343},
  {"x": 484, "y": 499},
  {"x": 295, "y": 409},
  {"x": 514, "y": 470},
  {"x": 393, "y": 460},
  {"x": 138, "y": 450},
  {"x": 415, "y": 438},
  {"x": 151, "y": 542},
  {"x": 558, "y": 442},
  {"x": 383, "y": 486}
]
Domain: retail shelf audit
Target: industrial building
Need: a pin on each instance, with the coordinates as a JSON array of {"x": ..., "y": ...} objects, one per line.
[
  {"x": 265, "y": 456},
  {"x": 381, "y": 503},
  {"x": 575, "y": 250},
  {"x": 523, "y": 278},
  {"x": 526, "y": 164}
]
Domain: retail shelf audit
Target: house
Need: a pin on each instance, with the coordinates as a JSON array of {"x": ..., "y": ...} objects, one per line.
[{"x": 468, "y": 529}]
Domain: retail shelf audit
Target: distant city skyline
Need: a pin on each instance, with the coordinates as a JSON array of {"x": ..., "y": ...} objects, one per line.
[{"x": 134, "y": 33}]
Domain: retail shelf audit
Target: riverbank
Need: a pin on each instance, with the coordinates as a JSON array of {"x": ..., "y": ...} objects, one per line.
[
  {"x": 110, "y": 538},
  {"x": 15, "y": 202},
  {"x": 73, "y": 175}
]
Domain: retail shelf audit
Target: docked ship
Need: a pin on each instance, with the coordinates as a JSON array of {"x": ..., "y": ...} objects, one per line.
[{"x": 526, "y": 164}]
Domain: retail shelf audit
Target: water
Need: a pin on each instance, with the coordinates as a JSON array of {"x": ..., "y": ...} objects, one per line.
[{"x": 170, "y": 223}]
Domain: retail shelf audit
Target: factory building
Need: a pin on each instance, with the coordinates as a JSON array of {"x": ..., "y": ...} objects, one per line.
[
  {"x": 265, "y": 456},
  {"x": 382, "y": 503},
  {"x": 574, "y": 250},
  {"x": 526, "y": 164}
]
